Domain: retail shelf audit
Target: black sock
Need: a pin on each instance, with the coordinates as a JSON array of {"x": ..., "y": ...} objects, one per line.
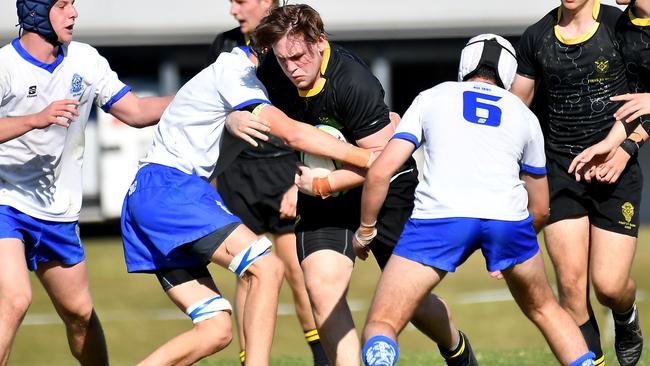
[
  {"x": 242, "y": 357},
  {"x": 313, "y": 339},
  {"x": 625, "y": 317},
  {"x": 447, "y": 354},
  {"x": 591, "y": 334}
]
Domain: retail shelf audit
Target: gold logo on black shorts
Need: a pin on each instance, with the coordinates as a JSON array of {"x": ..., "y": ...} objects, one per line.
[
  {"x": 627, "y": 209},
  {"x": 602, "y": 65}
]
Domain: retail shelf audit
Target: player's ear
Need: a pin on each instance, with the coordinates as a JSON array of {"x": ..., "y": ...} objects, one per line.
[{"x": 321, "y": 43}]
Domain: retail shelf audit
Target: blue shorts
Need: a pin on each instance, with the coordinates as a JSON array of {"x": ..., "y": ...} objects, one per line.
[
  {"x": 45, "y": 241},
  {"x": 165, "y": 209},
  {"x": 446, "y": 243}
]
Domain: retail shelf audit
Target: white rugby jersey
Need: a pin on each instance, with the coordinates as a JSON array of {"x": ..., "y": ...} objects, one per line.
[
  {"x": 40, "y": 171},
  {"x": 189, "y": 134},
  {"x": 477, "y": 138}
]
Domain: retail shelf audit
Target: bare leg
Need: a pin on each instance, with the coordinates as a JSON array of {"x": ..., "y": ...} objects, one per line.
[
  {"x": 610, "y": 274},
  {"x": 402, "y": 286},
  {"x": 261, "y": 305},
  {"x": 240, "y": 300},
  {"x": 433, "y": 318},
  {"x": 529, "y": 286},
  {"x": 285, "y": 248},
  {"x": 70, "y": 293},
  {"x": 205, "y": 338},
  {"x": 327, "y": 276},
  {"x": 15, "y": 293},
  {"x": 571, "y": 236}
]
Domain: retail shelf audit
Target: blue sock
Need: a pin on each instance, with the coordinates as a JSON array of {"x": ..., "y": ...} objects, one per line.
[
  {"x": 585, "y": 360},
  {"x": 380, "y": 351}
]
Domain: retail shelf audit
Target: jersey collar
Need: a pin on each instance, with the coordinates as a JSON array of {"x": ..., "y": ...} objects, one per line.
[
  {"x": 641, "y": 22},
  {"x": 321, "y": 83},
  {"x": 595, "y": 13},
  {"x": 29, "y": 58}
]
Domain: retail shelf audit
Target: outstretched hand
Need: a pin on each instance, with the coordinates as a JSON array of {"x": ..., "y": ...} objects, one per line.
[
  {"x": 635, "y": 106},
  {"x": 247, "y": 126},
  {"x": 586, "y": 163}
]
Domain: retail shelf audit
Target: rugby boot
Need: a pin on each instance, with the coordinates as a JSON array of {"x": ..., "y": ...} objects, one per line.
[{"x": 628, "y": 341}]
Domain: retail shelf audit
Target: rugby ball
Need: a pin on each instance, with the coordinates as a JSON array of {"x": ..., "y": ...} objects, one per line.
[{"x": 321, "y": 166}]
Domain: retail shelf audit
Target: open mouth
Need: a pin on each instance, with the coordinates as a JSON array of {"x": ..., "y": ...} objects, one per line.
[{"x": 70, "y": 27}]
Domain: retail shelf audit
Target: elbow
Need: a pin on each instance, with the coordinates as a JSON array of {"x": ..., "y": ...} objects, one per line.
[{"x": 540, "y": 217}]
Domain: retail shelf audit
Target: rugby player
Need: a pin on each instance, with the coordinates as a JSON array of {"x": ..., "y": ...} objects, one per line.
[
  {"x": 258, "y": 187},
  {"x": 571, "y": 57},
  {"x": 174, "y": 222},
  {"x": 319, "y": 82},
  {"x": 496, "y": 203},
  {"x": 48, "y": 87}
]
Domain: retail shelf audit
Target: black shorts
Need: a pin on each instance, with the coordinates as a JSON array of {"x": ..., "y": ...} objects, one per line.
[
  {"x": 327, "y": 238},
  {"x": 611, "y": 207},
  {"x": 253, "y": 188},
  {"x": 170, "y": 277}
]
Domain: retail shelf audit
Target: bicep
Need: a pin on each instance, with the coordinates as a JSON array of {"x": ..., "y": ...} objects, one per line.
[
  {"x": 537, "y": 188},
  {"x": 377, "y": 140},
  {"x": 524, "y": 88},
  {"x": 396, "y": 152}
]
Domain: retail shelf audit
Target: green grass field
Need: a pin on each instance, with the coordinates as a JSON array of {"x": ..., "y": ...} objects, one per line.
[{"x": 137, "y": 316}]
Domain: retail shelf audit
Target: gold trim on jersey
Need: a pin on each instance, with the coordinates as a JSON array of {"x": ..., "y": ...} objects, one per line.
[
  {"x": 247, "y": 39},
  {"x": 641, "y": 22},
  {"x": 321, "y": 83},
  {"x": 582, "y": 38}
]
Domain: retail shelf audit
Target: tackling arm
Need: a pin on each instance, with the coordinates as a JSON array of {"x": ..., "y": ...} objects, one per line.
[{"x": 307, "y": 138}]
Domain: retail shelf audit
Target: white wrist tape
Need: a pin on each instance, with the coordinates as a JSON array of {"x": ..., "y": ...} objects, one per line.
[
  {"x": 250, "y": 255},
  {"x": 365, "y": 239},
  {"x": 208, "y": 308}
]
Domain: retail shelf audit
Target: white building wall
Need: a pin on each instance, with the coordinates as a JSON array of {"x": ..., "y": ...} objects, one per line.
[{"x": 128, "y": 22}]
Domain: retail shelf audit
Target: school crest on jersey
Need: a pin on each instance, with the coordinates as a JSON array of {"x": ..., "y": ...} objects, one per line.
[
  {"x": 602, "y": 65},
  {"x": 77, "y": 86}
]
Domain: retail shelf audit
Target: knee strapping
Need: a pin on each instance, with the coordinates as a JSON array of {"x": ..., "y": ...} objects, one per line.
[
  {"x": 250, "y": 255},
  {"x": 208, "y": 308}
]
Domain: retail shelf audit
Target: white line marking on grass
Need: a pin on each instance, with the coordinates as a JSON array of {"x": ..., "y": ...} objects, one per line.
[{"x": 284, "y": 309}]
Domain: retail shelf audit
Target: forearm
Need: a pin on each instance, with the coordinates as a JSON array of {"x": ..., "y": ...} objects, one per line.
[
  {"x": 346, "y": 178},
  {"x": 374, "y": 194},
  {"x": 140, "y": 112},
  {"x": 304, "y": 137},
  {"x": 12, "y": 127}
]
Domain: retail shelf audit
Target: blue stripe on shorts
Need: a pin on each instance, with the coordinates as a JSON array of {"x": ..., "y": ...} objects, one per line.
[
  {"x": 446, "y": 243},
  {"x": 164, "y": 209},
  {"x": 45, "y": 241}
]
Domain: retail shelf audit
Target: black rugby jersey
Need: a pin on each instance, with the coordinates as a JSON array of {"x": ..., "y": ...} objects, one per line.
[
  {"x": 633, "y": 35},
  {"x": 579, "y": 77},
  {"x": 274, "y": 147},
  {"x": 351, "y": 100}
]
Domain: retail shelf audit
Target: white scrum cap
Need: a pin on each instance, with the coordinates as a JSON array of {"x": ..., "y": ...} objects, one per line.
[{"x": 492, "y": 51}]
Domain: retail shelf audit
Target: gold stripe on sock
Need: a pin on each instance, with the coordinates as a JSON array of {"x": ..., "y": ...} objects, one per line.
[
  {"x": 462, "y": 347},
  {"x": 312, "y": 335},
  {"x": 242, "y": 356},
  {"x": 600, "y": 361}
]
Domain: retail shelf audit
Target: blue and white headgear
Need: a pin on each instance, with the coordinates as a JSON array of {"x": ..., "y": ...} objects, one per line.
[
  {"x": 34, "y": 16},
  {"x": 492, "y": 51}
]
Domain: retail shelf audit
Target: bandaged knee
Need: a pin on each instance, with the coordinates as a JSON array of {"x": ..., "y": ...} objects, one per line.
[
  {"x": 208, "y": 308},
  {"x": 250, "y": 255}
]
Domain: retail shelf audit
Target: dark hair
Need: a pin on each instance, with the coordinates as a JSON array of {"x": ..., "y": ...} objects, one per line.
[
  {"x": 485, "y": 72},
  {"x": 298, "y": 19}
]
